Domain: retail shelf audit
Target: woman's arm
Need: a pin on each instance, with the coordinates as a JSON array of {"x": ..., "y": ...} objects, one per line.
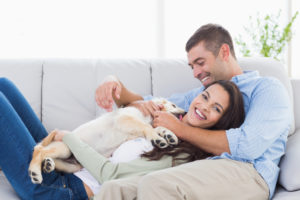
[{"x": 102, "y": 169}]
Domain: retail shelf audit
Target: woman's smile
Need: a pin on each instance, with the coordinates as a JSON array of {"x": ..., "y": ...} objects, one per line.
[{"x": 199, "y": 114}]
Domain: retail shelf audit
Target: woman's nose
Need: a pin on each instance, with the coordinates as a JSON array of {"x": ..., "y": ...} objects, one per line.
[{"x": 205, "y": 107}]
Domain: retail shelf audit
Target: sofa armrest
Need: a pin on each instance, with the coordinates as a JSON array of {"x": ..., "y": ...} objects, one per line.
[
  {"x": 296, "y": 93},
  {"x": 289, "y": 176}
]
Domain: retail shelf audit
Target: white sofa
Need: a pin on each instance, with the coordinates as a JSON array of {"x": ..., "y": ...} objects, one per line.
[{"x": 61, "y": 91}]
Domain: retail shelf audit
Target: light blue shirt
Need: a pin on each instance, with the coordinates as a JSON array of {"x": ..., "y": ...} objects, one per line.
[{"x": 261, "y": 139}]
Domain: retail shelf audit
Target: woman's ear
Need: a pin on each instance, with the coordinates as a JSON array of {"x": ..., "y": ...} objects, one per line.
[{"x": 224, "y": 52}]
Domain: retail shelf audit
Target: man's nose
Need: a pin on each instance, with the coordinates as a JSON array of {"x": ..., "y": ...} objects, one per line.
[{"x": 197, "y": 72}]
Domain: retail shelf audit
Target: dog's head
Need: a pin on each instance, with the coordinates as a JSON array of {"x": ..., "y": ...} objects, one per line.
[{"x": 169, "y": 106}]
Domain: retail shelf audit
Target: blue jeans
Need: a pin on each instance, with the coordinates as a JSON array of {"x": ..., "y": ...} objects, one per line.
[{"x": 20, "y": 130}]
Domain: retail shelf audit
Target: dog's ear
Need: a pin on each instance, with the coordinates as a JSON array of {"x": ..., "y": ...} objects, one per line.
[{"x": 172, "y": 108}]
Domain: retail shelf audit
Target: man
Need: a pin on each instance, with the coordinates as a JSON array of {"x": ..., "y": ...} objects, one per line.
[{"x": 245, "y": 165}]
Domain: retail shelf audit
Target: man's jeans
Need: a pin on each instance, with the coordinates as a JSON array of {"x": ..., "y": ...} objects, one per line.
[{"x": 20, "y": 130}]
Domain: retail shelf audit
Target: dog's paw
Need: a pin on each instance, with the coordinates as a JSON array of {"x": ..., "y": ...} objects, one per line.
[
  {"x": 159, "y": 142},
  {"x": 48, "y": 165},
  {"x": 36, "y": 176},
  {"x": 169, "y": 136}
]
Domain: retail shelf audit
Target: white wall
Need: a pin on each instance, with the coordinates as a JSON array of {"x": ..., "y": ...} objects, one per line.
[
  {"x": 123, "y": 28},
  {"x": 295, "y": 44}
]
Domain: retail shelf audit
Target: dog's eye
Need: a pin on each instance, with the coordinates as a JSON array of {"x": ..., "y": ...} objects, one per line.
[{"x": 174, "y": 105}]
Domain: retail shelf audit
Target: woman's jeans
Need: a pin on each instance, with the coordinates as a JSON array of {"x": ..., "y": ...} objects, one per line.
[{"x": 20, "y": 130}]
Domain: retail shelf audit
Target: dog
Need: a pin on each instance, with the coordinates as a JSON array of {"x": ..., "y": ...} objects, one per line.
[{"x": 105, "y": 134}]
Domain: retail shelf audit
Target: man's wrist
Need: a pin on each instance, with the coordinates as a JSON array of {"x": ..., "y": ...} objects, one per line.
[{"x": 180, "y": 130}]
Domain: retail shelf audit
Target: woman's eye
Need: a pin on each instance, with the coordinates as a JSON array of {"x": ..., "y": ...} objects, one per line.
[
  {"x": 204, "y": 97},
  {"x": 217, "y": 109}
]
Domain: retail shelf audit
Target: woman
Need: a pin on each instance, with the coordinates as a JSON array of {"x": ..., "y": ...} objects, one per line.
[{"x": 20, "y": 130}]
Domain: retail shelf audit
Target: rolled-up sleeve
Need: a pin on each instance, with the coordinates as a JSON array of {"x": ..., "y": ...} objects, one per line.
[{"x": 268, "y": 117}]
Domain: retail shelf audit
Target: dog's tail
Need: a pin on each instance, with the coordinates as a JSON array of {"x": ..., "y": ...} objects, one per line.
[{"x": 47, "y": 140}]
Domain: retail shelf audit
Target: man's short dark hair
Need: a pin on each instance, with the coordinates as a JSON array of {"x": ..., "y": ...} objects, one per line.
[{"x": 213, "y": 36}]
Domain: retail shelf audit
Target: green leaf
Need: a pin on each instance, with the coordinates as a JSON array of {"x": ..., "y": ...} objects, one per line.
[{"x": 268, "y": 37}]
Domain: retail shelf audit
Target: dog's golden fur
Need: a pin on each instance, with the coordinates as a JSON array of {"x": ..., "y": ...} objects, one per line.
[{"x": 104, "y": 134}]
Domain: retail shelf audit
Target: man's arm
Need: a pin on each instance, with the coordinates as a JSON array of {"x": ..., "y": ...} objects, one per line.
[
  {"x": 267, "y": 120},
  {"x": 112, "y": 90},
  {"x": 214, "y": 142}
]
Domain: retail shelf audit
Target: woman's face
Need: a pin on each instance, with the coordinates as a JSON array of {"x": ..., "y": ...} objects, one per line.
[{"x": 207, "y": 108}]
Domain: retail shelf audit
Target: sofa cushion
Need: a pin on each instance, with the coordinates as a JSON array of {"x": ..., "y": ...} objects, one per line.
[
  {"x": 172, "y": 76},
  {"x": 282, "y": 194},
  {"x": 296, "y": 86},
  {"x": 27, "y": 76},
  {"x": 69, "y": 87},
  {"x": 289, "y": 176},
  {"x": 135, "y": 74},
  {"x": 6, "y": 190}
]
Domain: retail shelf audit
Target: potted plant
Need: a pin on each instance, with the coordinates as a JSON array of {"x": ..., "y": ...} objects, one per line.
[{"x": 268, "y": 37}]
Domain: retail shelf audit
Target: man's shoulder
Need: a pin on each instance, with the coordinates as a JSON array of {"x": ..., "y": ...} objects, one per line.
[
  {"x": 254, "y": 85},
  {"x": 269, "y": 81},
  {"x": 267, "y": 87},
  {"x": 262, "y": 81}
]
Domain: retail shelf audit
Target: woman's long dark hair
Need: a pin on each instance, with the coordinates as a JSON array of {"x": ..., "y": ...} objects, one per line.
[{"x": 232, "y": 118}]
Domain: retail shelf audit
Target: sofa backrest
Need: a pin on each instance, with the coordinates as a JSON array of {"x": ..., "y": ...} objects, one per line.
[
  {"x": 61, "y": 91},
  {"x": 27, "y": 75},
  {"x": 69, "y": 87}
]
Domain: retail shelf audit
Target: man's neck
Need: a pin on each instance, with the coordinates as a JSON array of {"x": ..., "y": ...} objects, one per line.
[{"x": 236, "y": 69}]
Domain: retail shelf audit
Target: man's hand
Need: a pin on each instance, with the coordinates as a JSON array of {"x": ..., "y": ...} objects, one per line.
[
  {"x": 104, "y": 93},
  {"x": 168, "y": 121},
  {"x": 146, "y": 107}
]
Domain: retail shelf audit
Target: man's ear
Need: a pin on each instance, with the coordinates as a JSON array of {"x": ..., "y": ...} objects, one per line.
[{"x": 224, "y": 52}]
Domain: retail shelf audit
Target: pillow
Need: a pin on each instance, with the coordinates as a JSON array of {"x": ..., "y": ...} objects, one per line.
[{"x": 289, "y": 176}]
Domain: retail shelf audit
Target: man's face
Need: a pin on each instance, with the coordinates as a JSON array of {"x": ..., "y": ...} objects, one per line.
[{"x": 206, "y": 67}]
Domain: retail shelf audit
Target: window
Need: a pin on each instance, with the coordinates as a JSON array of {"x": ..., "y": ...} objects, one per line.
[{"x": 125, "y": 29}]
